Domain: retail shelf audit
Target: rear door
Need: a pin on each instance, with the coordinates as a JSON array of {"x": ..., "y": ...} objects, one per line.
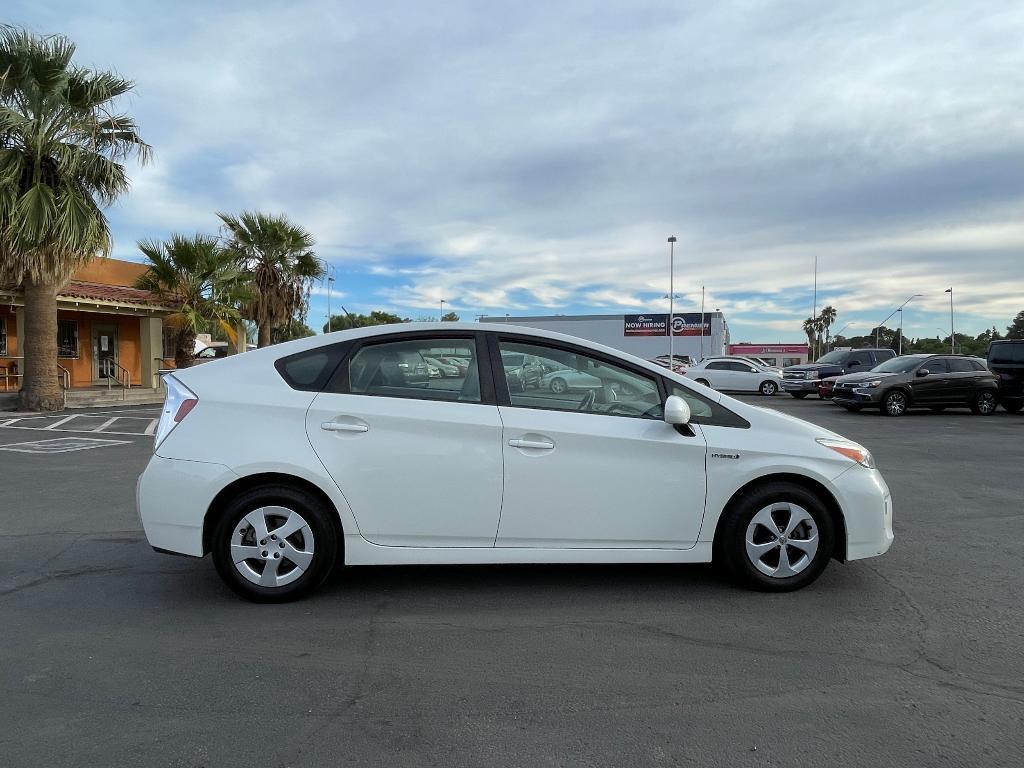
[
  {"x": 417, "y": 458},
  {"x": 964, "y": 379}
]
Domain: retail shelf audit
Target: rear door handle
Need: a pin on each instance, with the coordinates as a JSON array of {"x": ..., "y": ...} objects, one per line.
[
  {"x": 542, "y": 444},
  {"x": 337, "y": 426}
]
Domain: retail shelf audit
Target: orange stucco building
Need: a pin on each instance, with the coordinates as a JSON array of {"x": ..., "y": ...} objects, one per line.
[{"x": 105, "y": 328}]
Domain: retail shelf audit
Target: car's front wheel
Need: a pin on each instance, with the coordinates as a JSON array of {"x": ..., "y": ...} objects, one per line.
[
  {"x": 768, "y": 388},
  {"x": 274, "y": 543},
  {"x": 776, "y": 538},
  {"x": 984, "y": 403},
  {"x": 895, "y": 403},
  {"x": 558, "y": 386}
]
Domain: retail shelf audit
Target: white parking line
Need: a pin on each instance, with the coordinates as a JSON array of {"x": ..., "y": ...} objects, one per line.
[
  {"x": 65, "y": 420},
  {"x": 105, "y": 424},
  {"x": 151, "y": 429}
]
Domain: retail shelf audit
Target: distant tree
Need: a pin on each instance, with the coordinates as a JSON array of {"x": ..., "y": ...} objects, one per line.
[
  {"x": 826, "y": 318},
  {"x": 450, "y": 317},
  {"x": 376, "y": 317},
  {"x": 293, "y": 329},
  {"x": 1015, "y": 330},
  {"x": 811, "y": 330}
]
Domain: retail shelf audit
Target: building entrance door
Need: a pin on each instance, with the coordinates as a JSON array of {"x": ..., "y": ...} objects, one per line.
[{"x": 104, "y": 352}]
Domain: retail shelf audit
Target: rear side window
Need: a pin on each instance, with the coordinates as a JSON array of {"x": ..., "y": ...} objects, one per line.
[
  {"x": 719, "y": 366},
  {"x": 310, "y": 371},
  {"x": 961, "y": 365},
  {"x": 404, "y": 369}
]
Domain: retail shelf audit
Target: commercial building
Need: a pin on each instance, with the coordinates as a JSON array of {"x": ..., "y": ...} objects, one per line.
[
  {"x": 106, "y": 329},
  {"x": 645, "y": 336},
  {"x": 778, "y": 355}
]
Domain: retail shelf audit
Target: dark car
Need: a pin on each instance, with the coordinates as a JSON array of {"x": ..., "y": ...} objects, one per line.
[
  {"x": 1006, "y": 361},
  {"x": 802, "y": 380},
  {"x": 927, "y": 381}
]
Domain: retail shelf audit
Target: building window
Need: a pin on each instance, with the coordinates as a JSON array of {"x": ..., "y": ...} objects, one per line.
[
  {"x": 169, "y": 342},
  {"x": 67, "y": 338},
  {"x": 3, "y": 337}
]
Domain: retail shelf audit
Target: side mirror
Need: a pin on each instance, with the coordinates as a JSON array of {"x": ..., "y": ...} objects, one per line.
[
  {"x": 677, "y": 410},
  {"x": 922, "y": 371}
]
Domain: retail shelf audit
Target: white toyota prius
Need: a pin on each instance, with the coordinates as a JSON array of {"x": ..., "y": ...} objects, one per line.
[{"x": 287, "y": 461}]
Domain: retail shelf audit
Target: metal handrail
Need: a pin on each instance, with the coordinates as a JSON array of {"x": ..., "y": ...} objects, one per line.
[
  {"x": 123, "y": 375},
  {"x": 65, "y": 376}
]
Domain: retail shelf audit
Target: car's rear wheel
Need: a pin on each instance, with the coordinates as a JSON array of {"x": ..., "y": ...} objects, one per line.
[
  {"x": 704, "y": 382},
  {"x": 1013, "y": 406},
  {"x": 984, "y": 403},
  {"x": 558, "y": 386},
  {"x": 768, "y": 388},
  {"x": 776, "y": 538},
  {"x": 799, "y": 395},
  {"x": 895, "y": 403},
  {"x": 274, "y": 543}
]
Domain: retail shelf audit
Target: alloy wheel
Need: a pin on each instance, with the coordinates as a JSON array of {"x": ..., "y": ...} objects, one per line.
[
  {"x": 558, "y": 386},
  {"x": 781, "y": 540},
  {"x": 272, "y": 546},
  {"x": 986, "y": 403},
  {"x": 896, "y": 403},
  {"x": 768, "y": 388}
]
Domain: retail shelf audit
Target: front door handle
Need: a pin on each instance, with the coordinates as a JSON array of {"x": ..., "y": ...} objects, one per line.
[
  {"x": 542, "y": 444},
  {"x": 337, "y": 426}
]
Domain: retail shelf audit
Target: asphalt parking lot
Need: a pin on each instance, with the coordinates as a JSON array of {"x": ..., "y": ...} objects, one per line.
[{"x": 112, "y": 655}]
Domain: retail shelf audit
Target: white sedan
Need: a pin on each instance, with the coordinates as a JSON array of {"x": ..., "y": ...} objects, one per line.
[
  {"x": 288, "y": 461},
  {"x": 734, "y": 375}
]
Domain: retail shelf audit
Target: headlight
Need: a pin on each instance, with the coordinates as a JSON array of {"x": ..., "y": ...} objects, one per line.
[
  {"x": 850, "y": 450},
  {"x": 870, "y": 384}
]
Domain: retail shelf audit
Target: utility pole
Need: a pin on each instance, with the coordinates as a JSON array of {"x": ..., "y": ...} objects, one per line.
[
  {"x": 814, "y": 307},
  {"x": 671, "y": 300},
  {"x": 952, "y": 333}
]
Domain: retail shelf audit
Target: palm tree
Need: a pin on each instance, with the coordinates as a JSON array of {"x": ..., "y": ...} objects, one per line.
[
  {"x": 826, "y": 319},
  {"x": 279, "y": 257},
  {"x": 203, "y": 279},
  {"x": 810, "y": 327},
  {"x": 61, "y": 152}
]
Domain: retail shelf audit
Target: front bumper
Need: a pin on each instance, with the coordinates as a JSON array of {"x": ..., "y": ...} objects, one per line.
[
  {"x": 801, "y": 385},
  {"x": 859, "y": 396},
  {"x": 867, "y": 509},
  {"x": 172, "y": 497}
]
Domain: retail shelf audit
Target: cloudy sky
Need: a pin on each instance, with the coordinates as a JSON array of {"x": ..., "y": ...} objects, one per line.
[{"x": 532, "y": 158}]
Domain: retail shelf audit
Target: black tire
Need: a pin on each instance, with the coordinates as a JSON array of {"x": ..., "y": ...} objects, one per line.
[
  {"x": 558, "y": 385},
  {"x": 312, "y": 510},
  {"x": 895, "y": 403},
  {"x": 984, "y": 403},
  {"x": 731, "y": 545},
  {"x": 1013, "y": 406},
  {"x": 852, "y": 408},
  {"x": 704, "y": 382},
  {"x": 937, "y": 409},
  {"x": 799, "y": 395},
  {"x": 768, "y": 388}
]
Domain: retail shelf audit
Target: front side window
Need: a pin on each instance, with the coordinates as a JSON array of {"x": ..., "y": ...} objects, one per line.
[
  {"x": 578, "y": 383},
  {"x": 67, "y": 338},
  {"x": 403, "y": 369},
  {"x": 936, "y": 365},
  {"x": 862, "y": 359}
]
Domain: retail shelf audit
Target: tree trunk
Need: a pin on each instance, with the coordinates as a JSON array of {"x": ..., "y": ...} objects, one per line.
[
  {"x": 264, "y": 339},
  {"x": 41, "y": 390},
  {"x": 184, "y": 349}
]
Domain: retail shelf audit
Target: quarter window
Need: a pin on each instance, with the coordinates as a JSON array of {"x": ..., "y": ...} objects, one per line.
[
  {"x": 403, "y": 369},
  {"x": 67, "y": 338},
  {"x": 568, "y": 381}
]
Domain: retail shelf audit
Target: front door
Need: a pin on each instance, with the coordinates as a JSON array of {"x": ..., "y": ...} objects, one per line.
[
  {"x": 935, "y": 387},
  {"x": 418, "y": 457},
  {"x": 595, "y": 466},
  {"x": 104, "y": 352}
]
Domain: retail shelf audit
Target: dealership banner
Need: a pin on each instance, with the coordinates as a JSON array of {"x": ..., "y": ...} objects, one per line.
[
  {"x": 683, "y": 324},
  {"x": 645, "y": 325}
]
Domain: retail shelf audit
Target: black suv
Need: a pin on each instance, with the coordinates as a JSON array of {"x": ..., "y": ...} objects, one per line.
[
  {"x": 929, "y": 381},
  {"x": 1006, "y": 361},
  {"x": 802, "y": 380}
]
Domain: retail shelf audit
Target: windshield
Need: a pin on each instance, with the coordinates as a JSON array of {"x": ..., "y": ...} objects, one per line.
[
  {"x": 836, "y": 356},
  {"x": 898, "y": 365}
]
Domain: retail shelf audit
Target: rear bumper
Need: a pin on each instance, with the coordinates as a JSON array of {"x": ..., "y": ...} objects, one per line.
[{"x": 172, "y": 497}]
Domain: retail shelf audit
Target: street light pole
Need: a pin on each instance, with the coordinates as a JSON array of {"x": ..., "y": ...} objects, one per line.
[
  {"x": 814, "y": 304},
  {"x": 899, "y": 309},
  {"x": 441, "y": 317},
  {"x": 330, "y": 284},
  {"x": 952, "y": 333},
  {"x": 702, "y": 322},
  {"x": 671, "y": 300}
]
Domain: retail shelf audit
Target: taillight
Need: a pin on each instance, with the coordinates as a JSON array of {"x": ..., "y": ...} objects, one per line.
[{"x": 178, "y": 404}]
